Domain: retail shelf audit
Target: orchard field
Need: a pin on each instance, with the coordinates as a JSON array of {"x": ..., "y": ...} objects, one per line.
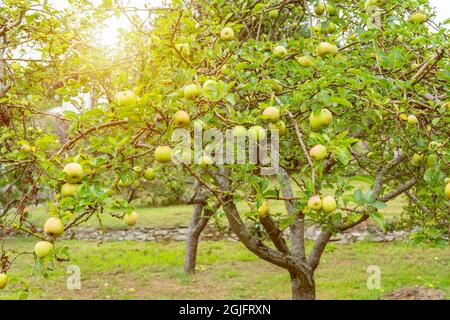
[{"x": 264, "y": 149}]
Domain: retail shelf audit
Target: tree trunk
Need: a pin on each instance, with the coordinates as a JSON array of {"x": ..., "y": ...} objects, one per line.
[
  {"x": 303, "y": 291},
  {"x": 192, "y": 240}
]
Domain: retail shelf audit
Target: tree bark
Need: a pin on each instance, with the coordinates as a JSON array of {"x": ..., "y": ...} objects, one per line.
[
  {"x": 301, "y": 290},
  {"x": 192, "y": 239}
]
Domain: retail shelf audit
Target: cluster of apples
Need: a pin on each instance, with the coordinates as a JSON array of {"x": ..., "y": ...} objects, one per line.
[
  {"x": 73, "y": 175},
  {"x": 327, "y": 203},
  {"x": 317, "y": 122}
]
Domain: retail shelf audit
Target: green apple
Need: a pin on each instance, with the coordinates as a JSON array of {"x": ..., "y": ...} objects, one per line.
[
  {"x": 326, "y": 48},
  {"x": 69, "y": 190},
  {"x": 447, "y": 191},
  {"x": 276, "y": 86},
  {"x": 131, "y": 218},
  {"x": 305, "y": 61},
  {"x": 412, "y": 119},
  {"x": 430, "y": 160},
  {"x": 271, "y": 113},
  {"x": 73, "y": 172},
  {"x": 123, "y": 184},
  {"x": 274, "y": 13},
  {"x": 43, "y": 249},
  {"x": 149, "y": 174},
  {"x": 3, "y": 280},
  {"x": 239, "y": 131},
  {"x": 163, "y": 154},
  {"x": 279, "y": 125},
  {"x": 181, "y": 119},
  {"x": 191, "y": 91},
  {"x": 256, "y": 133},
  {"x": 183, "y": 49},
  {"x": 331, "y": 28},
  {"x": 205, "y": 161},
  {"x": 331, "y": 10},
  {"x": 417, "y": 159},
  {"x": 264, "y": 210},
  {"x": 125, "y": 98},
  {"x": 418, "y": 18},
  {"x": 318, "y": 152},
  {"x": 280, "y": 52},
  {"x": 25, "y": 147},
  {"x": 54, "y": 227},
  {"x": 320, "y": 120},
  {"x": 314, "y": 203},
  {"x": 328, "y": 204},
  {"x": 319, "y": 9},
  {"x": 227, "y": 34}
]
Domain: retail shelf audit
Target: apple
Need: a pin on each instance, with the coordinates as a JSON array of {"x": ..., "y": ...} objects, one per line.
[
  {"x": 447, "y": 190},
  {"x": 43, "y": 249},
  {"x": 328, "y": 204},
  {"x": 149, "y": 174},
  {"x": 412, "y": 119},
  {"x": 264, "y": 210},
  {"x": 239, "y": 131},
  {"x": 447, "y": 180},
  {"x": 209, "y": 85},
  {"x": 199, "y": 125},
  {"x": 181, "y": 119},
  {"x": 318, "y": 152},
  {"x": 227, "y": 34},
  {"x": 273, "y": 13},
  {"x": 54, "y": 227},
  {"x": 305, "y": 61},
  {"x": 417, "y": 159},
  {"x": 256, "y": 133},
  {"x": 319, "y": 9},
  {"x": 25, "y": 147},
  {"x": 3, "y": 280},
  {"x": 430, "y": 160},
  {"x": 137, "y": 169},
  {"x": 418, "y": 18},
  {"x": 279, "y": 125},
  {"x": 163, "y": 154},
  {"x": 326, "y": 48},
  {"x": 191, "y": 91},
  {"x": 331, "y": 10},
  {"x": 123, "y": 184},
  {"x": 131, "y": 218},
  {"x": 271, "y": 113},
  {"x": 324, "y": 118},
  {"x": 73, "y": 172},
  {"x": 371, "y": 3},
  {"x": 280, "y": 52},
  {"x": 314, "y": 203},
  {"x": 69, "y": 190},
  {"x": 276, "y": 86},
  {"x": 125, "y": 98},
  {"x": 183, "y": 49},
  {"x": 205, "y": 161},
  {"x": 331, "y": 28}
]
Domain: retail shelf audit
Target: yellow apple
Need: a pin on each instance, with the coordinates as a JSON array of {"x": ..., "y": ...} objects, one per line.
[
  {"x": 279, "y": 125},
  {"x": 280, "y": 52},
  {"x": 271, "y": 113},
  {"x": 3, "y": 280},
  {"x": 149, "y": 174},
  {"x": 326, "y": 48},
  {"x": 264, "y": 210},
  {"x": 328, "y": 204},
  {"x": 418, "y": 18},
  {"x": 137, "y": 169},
  {"x": 417, "y": 159},
  {"x": 318, "y": 152},
  {"x": 191, "y": 91},
  {"x": 163, "y": 154},
  {"x": 181, "y": 119},
  {"x": 69, "y": 190},
  {"x": 324, "y": 118},
  {"x": 319, "y": 9},
  {"x": 131, "y": 218},
  {"x": 447, "y": 191},
  {"x": 54, "y": 227},
  {"x": 73, "y": 172},
  {"x": 256, "y": 133},
  {"x": 227, "y": 34},
  {"x": 239, "y": 131},
  {"x": 305, "y": 61},
  {"x": 412, "y": 119},
  {"x": 25, "y": 147},
  {"x": 314, "y": 203},
  {"x": 43, "y": 249},
  {"x": 125, "y": 98}
]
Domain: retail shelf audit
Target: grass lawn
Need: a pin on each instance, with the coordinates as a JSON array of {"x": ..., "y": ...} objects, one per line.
[{"x": 226, "y": 270}]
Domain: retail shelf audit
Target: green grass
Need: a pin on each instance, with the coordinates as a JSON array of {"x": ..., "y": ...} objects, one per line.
[{"x": 226, "y": 270}]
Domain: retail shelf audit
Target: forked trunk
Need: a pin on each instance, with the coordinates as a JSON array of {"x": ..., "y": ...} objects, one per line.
[{"x": 303, "y": 291}]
